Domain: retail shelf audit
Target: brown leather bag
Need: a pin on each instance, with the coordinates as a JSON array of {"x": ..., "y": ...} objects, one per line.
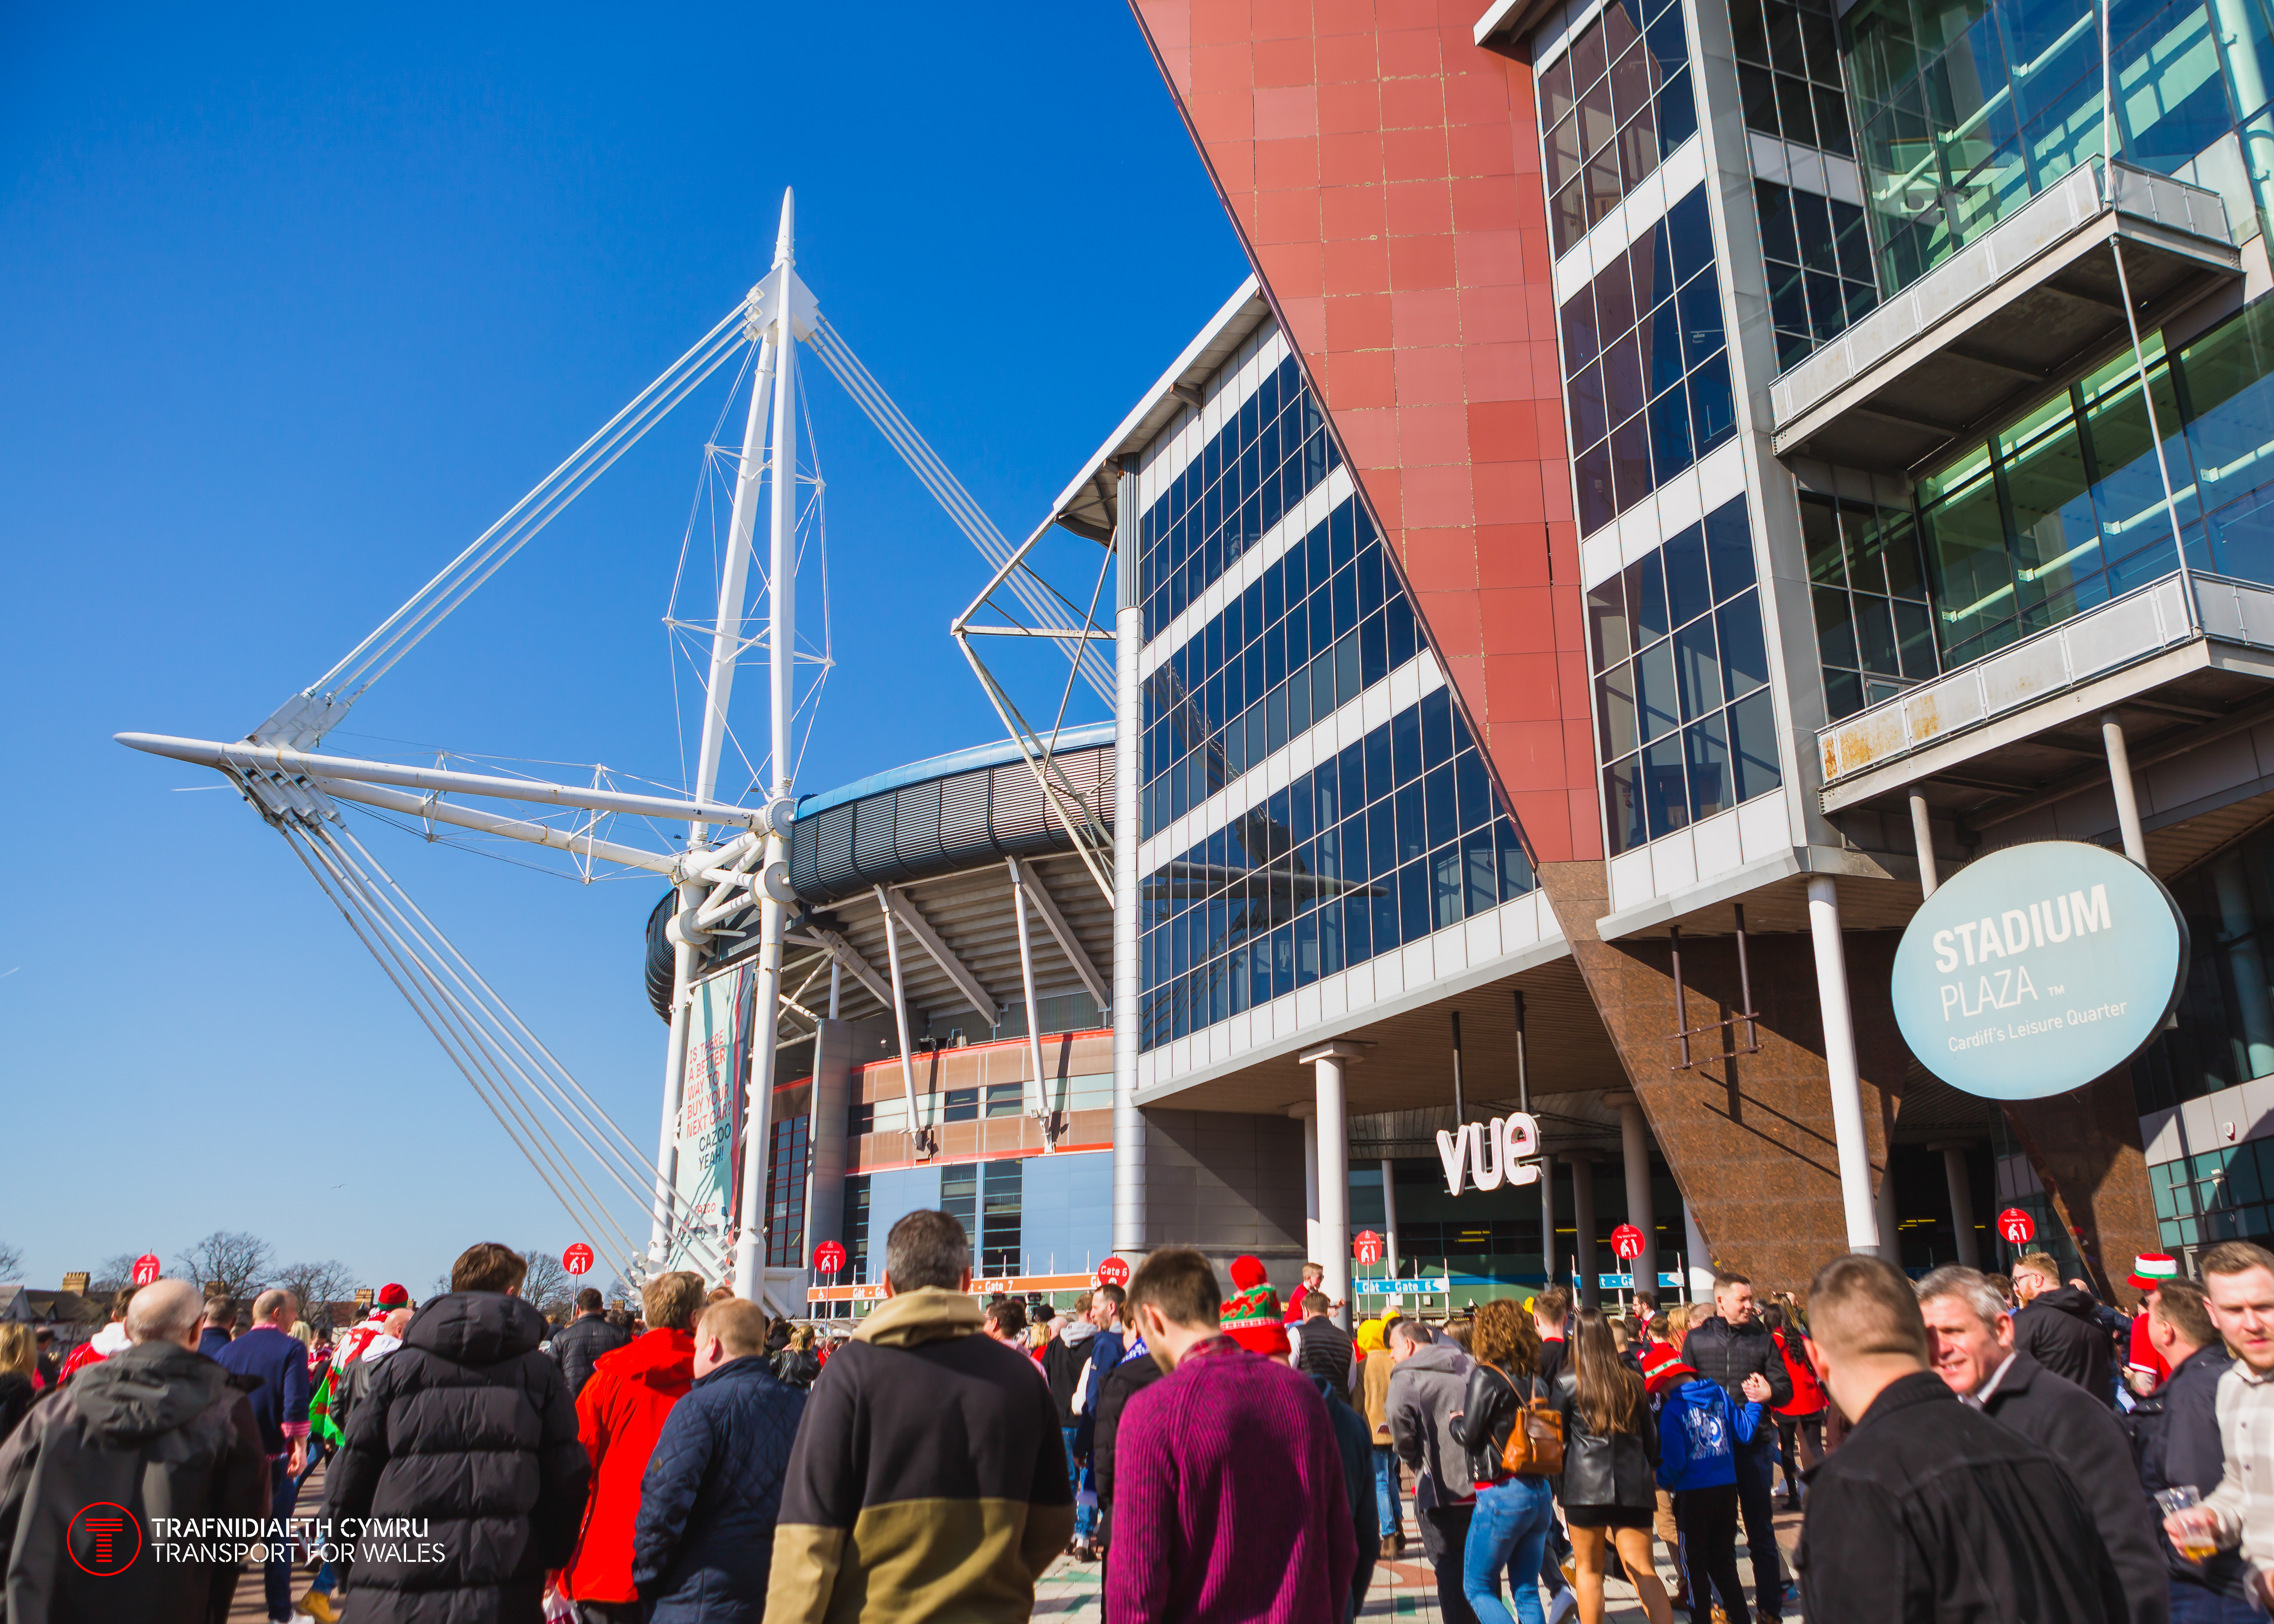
[{"x": 1535, "y": 1443}]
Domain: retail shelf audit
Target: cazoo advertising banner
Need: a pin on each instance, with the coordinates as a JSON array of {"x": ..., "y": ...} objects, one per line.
[
  {"x": 2038, "y": 968},
  {"x": 710, "y": 1108}
]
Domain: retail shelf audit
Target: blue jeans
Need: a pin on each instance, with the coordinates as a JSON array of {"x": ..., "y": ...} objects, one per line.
[
  {"x": 1085, "y": 1517},
  {"x": 2191, "y": 1603},
  {"x": 277, "y": 1573},
  {"x": 1508, "y": 1532},
  {"x": 1385, "y": 1489}
]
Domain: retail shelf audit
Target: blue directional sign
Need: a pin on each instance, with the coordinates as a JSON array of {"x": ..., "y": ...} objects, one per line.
[
  {"x": 1426, "y": 1284},
  {"x": 2038, "y": 968}
]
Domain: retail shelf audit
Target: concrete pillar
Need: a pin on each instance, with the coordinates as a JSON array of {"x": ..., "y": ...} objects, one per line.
[
  {"x": 1634, "y": 1135},
  {"x": 1583, "y": 1216},
  {"x": 1129, "y": 1224},
  {"x": 1841, "y": 1067},
  {"x": 1389, "y": 1216},
  {"x": 1923, "y": 836},
  {"x": 832, "y": 1092},
  {"x": 1954, "y": 1173},
  {"x": 1890, "y": 1245},
  {"x": 1327, "y": 1063},
  {"x": 2120, "y": 781},
  {"x": 1306, "y": 1114},
  {"x": 1700, "y": 1277}
]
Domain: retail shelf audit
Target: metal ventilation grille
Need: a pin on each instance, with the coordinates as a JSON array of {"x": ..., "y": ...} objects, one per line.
[
  {"x": 963, "y": 821},
  {"x": 1021, "y": 813},
  {"x": 916, "y": 823}
]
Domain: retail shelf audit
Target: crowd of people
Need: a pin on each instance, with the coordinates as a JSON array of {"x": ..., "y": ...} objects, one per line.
[{"x": 1961, "y": 1447}]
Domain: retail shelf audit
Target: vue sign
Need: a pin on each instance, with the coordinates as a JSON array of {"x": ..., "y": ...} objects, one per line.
[
  {"x": 2037, "y": 969},
  {"x": 1491, "y": 1153}
]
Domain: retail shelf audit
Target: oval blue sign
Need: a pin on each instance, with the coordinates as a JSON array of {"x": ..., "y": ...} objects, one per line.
[{"x": 2038, "y": 968}]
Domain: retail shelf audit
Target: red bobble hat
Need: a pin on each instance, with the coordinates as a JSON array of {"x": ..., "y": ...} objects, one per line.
[
  {"x": 1662, "y": 1369},
  {"x": 1251, "y": 1318},
  {"x": 393, "y": 1296}
]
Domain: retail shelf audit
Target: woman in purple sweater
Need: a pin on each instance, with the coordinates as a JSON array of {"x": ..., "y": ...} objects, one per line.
[{"x": 1228, "y": 1501}]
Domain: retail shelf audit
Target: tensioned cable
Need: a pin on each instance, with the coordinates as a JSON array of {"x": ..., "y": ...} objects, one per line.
[
  {"x": 925, "y": 463},
  {"x": 499, "y": 1014},
  {"x": 371, "y": 659}
]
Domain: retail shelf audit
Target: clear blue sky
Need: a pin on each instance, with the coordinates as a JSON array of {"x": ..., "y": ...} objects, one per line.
[{"x": 296, "y": 303}]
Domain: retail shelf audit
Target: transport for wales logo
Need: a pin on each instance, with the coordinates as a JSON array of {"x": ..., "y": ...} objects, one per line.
[{"x": 105, "y": 1539}]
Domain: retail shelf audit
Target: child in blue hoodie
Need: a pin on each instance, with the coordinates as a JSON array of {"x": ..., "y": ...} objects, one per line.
[{"x": 1698, "y": 1429}]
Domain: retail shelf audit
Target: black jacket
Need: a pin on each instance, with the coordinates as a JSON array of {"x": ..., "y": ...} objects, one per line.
[
  {"x": 1932, "y": 1514},
  {"x": 1489, "y": 1407},
  {"x": 709, "y": 1500},
  {"x": 16, "y": 1396},
  {"x": 795, "y": 1367},
  {"x": 577, "y": 1346},
  {"x": 1726, "y": 1353},
  {"x": 155, "y": 1428},
  {"x": 1327, "y": 1351},
  {"x": 2060, "y": 1330},
  {"x": 2083, "y": 1436},
  {"x": 468, "y": 1427},
  {"x": 1621, "y": 1470},
  {"x": 1064, "y": 1362},
  {"x": 1126, "y": 1379},
  {"x": 1356, "y": 1442},
  {"x": 2175, "y": 1439}
]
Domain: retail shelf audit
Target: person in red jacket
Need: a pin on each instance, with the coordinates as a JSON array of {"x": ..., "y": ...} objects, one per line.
[
  {"x": 619, "y": 1414},
  {"x": 1799, "y": 1424}
]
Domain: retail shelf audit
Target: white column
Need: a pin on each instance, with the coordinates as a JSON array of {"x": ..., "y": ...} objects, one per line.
[
  {"x": 1923, "y": 837},
  {"x": 1039, "y": 1102},
  {"x": 1389, "y": 1216},
  {"x": 1128, "y": 1122},
  {"x": 1960, "y": 1181},
  {"x": 664, "y": 1220},
  {"x": 1883, "y": 1204},
  {"x": 2120, "y": 781},
  {"x": 1634, "y": 1138},
  {"x": 1700, "y": 1279},
  {"x": 1583, "y": 1220},
  {"x": 1841, "y": 1067},
  {"x": 1308, "y": 1115},
  {"x": 1327, "y": 1063}
]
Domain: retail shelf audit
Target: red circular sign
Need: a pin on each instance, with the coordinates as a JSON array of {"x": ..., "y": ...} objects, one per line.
[
  {"x": 109, "y": 1535},
  {"x": 1114, "y": 1272},
  {"x": 146, "y": 1269},
  {"x": 1366, "y": 1247},
  {"x": 1626, "y": 1240},
  {"x": 829, "y": 1258},
  {"x": 2017, "y": 1226},
  {"x": 577, "y": 1259}
]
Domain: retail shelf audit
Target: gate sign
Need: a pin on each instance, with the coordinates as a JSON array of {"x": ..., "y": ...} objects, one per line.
[
  {"x": 829, "y": 1258},
  {"x": 2037, "y": 969},
  {"x": 1366, "y": 1247},
  {"x": 1114, "y": 1272},
  {"x": 577, "y": 1259},
  {"x": 1626, "y": 1241},
  {"x": 2017, "y": 1226},
  {"x": 146, "y": 1268}
]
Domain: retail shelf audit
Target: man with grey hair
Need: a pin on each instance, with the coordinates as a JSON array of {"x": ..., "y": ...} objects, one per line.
[
  {"x": 276, "y": 1363},
  {"x": 928, "y": 1477},
  {"x": 1427, "y": 1384},
  {"x": 155, "y": 1428},
  {"x": 1971, "y": 1345}
]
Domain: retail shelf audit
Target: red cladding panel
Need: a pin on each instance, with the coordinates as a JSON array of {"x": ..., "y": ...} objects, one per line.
[{"x": 1385, "y": 173}]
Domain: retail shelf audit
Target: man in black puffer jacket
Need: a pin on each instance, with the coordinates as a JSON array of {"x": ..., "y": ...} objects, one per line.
[
  {"x": 578, "y": 1345},
  {"x": 705, "y": 1542},
  {"x": 1732, "y": 1347},
  {"x": 467, "y": 1428},
  {"x": 2058, "y": 1326}
]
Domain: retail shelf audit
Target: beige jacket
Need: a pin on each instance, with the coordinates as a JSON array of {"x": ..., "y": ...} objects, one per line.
[
  {"x": 2244, "y": 1501},
  {"x": 1376, "y": 1379}
]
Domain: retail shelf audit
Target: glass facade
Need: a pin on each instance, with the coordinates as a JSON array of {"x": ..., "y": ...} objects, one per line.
[
  {"x": 2217, "y": 1195},
  {"x": 1324, "y": 621},
  {"x": 1256, "y": 467},
  {"x": 984, "y": 1197},
  {"x": 856, "y": 1229},
  {"x": 1789, "y": 71},
  {"x": 1819, "y": 257},
  {"x": 1646, "y": 366},
  {"x": 1966, "y": 110},
  {"x": 2064, "y": 509},
  {"x": 785, "y": 1188},
  {"x": 1610, "y": 108},
  {"x": 1686, "y": 726},
  {"x": 1400, "y": 835},
  {"x": 2225, "y": 1031},
  {"x": 1874, "y": 629}
]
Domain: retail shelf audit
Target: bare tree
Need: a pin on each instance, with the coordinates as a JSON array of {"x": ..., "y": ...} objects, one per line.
[
  {"x": 317, "y": 1286},
  {"x": 117, "y": 1270},
  {"x": 242, "y": 1263},
  {"x": 549, "y": 1287},
  {"x": 12, "y": 1261}
]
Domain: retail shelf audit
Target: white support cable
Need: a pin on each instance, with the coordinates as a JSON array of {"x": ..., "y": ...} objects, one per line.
[
  {"x": 619, "y": 1145},
  {"x": 394, "y": 636},
  {"x": 934, "y": 474},
  {"x": 351, "y": 910}
]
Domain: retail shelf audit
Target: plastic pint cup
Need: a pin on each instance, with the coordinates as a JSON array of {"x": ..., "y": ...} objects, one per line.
[{"x": 2196, "y": 1542}]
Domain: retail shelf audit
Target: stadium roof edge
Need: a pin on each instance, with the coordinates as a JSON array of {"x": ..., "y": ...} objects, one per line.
[{"x": 1000, "y": 752}]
